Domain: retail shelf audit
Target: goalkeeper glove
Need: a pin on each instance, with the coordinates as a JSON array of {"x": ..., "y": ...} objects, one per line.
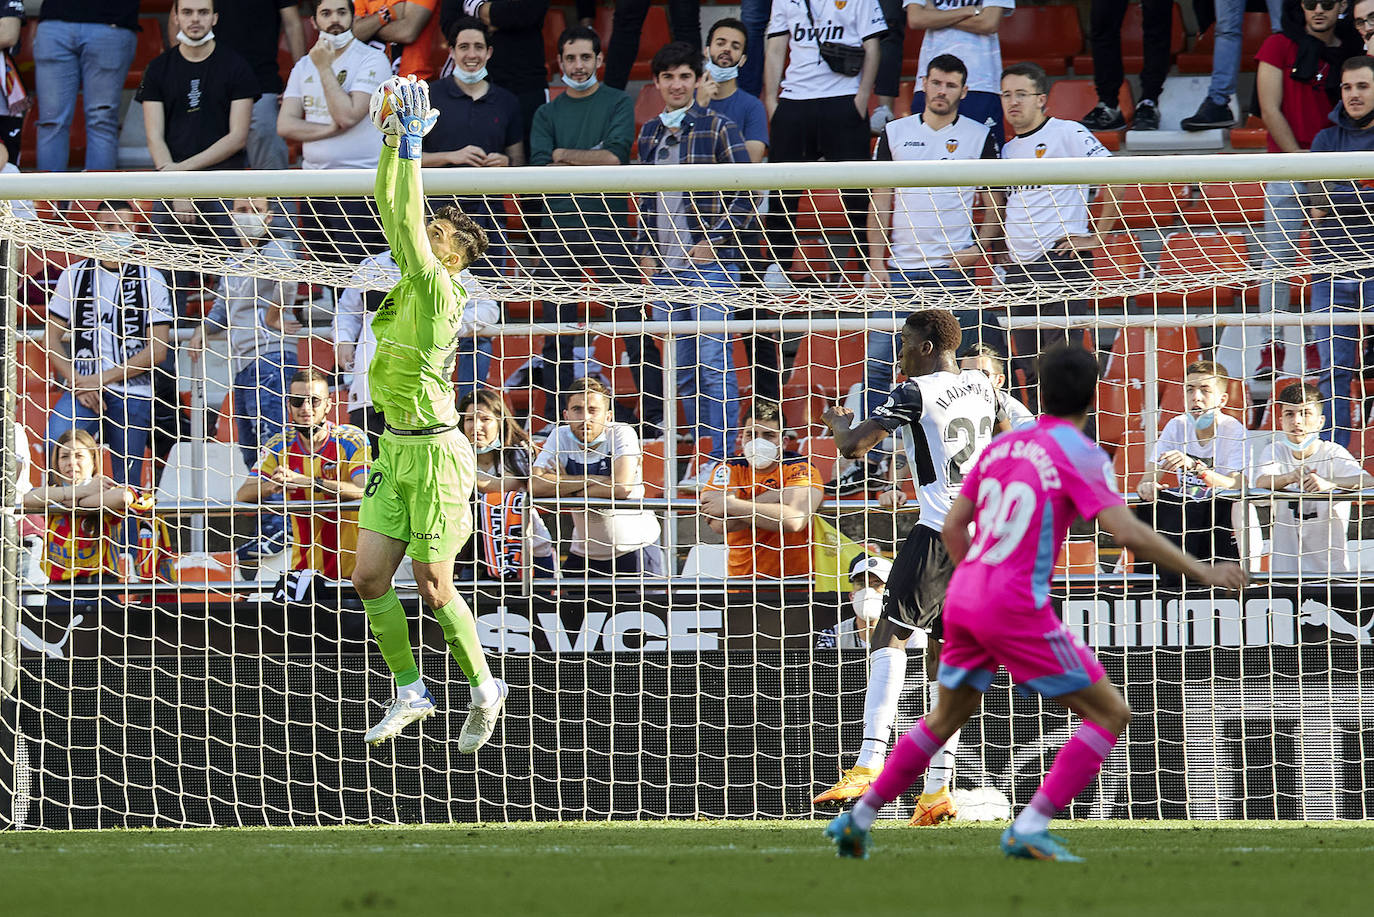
[
  {"x": 471, "y": 7},
  {"x": 382, "y": 108},
  {"x": 411, "y": 101}
]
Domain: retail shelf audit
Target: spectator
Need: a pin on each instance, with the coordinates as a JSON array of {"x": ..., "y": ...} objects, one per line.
[
  {"x": 255, "y": 311},
  {"x": 83, "y": 512},
  {"x": 720, "y": 91},
  {"x": 764, "y": 500},
  {"x": 818, "y": 108},
  {"x": 318, "y": 463},
  {"x": 968, "y": 32},
  {"x": 86, "y": 46},
  {"x": 755, "y": 15},
  {"x": 1204, "y": 451},
  {"x": 694, "y": 239},
  {"x": 14, "y": 101},
  {"x": 868, "y": 581},
  {"x": 1342, "y": 214},
  {"x": 1308, "y": 536},
  {"x": 197, "y": 107},
  {"x": 990, "y": 362},
  {"x": 627, "y": 27},
  {"x": 887, "y": 83},
  {"x": 108, "y": 326},
  {"x": 932, "y": 233},
  {"x": 1215, "y": 109},
  {"x": 517, "y": 48},
  {"x": 325, "y": 109},
  {"x": 1362, "y": 17},
  {"x": 505, "y": 455},
  {"x": 355, "y": 344},
  {"x": 1050, "y": 232},
  {"x": 254, "y": 28},
  {"x": 1296, "y": 85},
  {"x": 407, "y": 30},
  {"x": 593, "y": 456},
  {"x": 1105, "y": 38},
  {"x": 479, "y": 127},
  {"x": 590, "y": 125}
]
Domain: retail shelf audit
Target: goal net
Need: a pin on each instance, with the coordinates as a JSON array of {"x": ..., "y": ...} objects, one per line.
[{"x": 182, "y": 646}]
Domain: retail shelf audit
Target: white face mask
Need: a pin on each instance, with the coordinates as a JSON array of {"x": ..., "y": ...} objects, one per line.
[
  {"x": 588, "y": 83},
  {"x": 722, "y": 74},
  {"x": 195, "y": 43},
  {"x": 338, "y": 42},
  {"x": 469, "y": 79},
  {"x": 868, "y": 604},
  {"x": 760, "y": 453},
  {"x": 251, "y": 225},
  {"x": 123, "y": 240}
]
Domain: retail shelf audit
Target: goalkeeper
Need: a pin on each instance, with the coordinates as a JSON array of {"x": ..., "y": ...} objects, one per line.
[{"x": 418, "y": 494}]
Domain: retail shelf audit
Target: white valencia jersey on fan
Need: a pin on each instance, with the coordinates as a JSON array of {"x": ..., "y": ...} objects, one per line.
[
  {"x": 947, "y": 420},
  {"x": 1309, "y": 535},
  {"x": 841, "y": 22},
  {"x": 981, "y": 54},
  {"x": 1038, "y": 216},
  {"x": 930, "y": 224}
]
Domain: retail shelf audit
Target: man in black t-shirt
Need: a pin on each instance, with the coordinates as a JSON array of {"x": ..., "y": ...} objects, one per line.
[
  {"x": 197, "y": 104},
  {"x": 254, "y": 29}
]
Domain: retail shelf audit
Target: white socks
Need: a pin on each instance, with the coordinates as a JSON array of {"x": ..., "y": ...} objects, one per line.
[
  {"x": 863, "y": 815},
  {"x": 1030, "y": 821},
  {"x": 942, "y": 765},
  {"x": 487, "y": 693},
  {"x": 885, "y": 679},
  {"x": 413, "y": 691}
]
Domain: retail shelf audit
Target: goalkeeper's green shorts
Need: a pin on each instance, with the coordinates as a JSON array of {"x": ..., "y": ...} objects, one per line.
[{"x": 419, "y": 490}]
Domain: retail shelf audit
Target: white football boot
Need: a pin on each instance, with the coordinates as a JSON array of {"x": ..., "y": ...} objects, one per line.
[
  {"x": 400, "y": 713},
  {"x": 481, "y": 722}
]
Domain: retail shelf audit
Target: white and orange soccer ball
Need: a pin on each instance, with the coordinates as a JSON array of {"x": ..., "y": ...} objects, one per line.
[{"x": 382, "y": 108}]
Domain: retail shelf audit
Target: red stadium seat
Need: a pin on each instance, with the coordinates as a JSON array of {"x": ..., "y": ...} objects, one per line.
[
  {"x": 1078, "y": 558},
  {"x": 822, "y": 452},
  {"x": 911, "y": 53},
  {"x": 1226, "y": 204},
  {"x": 1187, "y": 254},
  {"x": 1072, "y": 99},
  {"x": 1129, "y": 463},
  {"x": 1254, "y": 30},
  {"x": 1046, "y": 35},
  {"x": 554, "y": 24},
  {"x": 1148, "y": 206},
  {"x": 150, "y": 45},
  {"x": 655, "y": 468},
  {"x": 648, "y": 105},
  {"x": 821, "y": 209},
  {"x": 1253, "y": 136},
  {"x": 1132, "y": 43}
]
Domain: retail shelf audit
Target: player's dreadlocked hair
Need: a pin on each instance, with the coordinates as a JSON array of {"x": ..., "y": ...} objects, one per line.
[
  {"x": 466, "y": 233},
  {"x": 939, "y": 327}
]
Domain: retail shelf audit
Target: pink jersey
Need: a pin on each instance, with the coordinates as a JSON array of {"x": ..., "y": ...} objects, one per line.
[{"x": 1029, "y": 486}]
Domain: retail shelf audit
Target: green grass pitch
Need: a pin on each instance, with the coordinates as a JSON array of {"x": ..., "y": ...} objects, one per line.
[{"x": 1233, "y": 869}]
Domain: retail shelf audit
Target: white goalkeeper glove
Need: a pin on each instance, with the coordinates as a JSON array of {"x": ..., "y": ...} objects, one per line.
[{"x": 470, "y": 7}]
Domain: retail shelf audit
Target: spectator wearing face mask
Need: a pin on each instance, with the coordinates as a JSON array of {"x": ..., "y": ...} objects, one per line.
[
  {"x": 764, "y": 501},
  {"x": 868, "y": 584}
]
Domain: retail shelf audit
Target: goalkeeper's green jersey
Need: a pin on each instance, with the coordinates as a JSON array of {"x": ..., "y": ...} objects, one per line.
[{"x": 411, "y": 375}]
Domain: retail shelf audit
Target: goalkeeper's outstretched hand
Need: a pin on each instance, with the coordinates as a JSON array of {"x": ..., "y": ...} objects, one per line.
[{"x": 400, "y": 108}]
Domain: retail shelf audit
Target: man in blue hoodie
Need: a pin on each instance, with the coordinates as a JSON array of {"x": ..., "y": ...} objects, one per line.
[{"x": 1342, "y": 215}]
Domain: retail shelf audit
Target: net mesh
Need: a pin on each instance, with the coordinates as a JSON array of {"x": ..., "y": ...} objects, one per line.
[{"x": 192, "y": 651}]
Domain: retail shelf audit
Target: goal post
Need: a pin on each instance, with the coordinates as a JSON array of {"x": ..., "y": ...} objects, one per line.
[{"x": 181, "y": 671}]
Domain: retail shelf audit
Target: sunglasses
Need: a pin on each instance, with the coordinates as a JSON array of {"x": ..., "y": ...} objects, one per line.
[
  {"x": 300, "y": 401},
  {"x": 1327, "y": 5}
]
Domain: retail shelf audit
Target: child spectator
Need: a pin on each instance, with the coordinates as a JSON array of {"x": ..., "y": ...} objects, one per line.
[
  {"x": 505, "y": 455},
  {"x": 1203, "y": 451},
  {"x": 592, "y": 456},
  {"x": 763, "y": 501},
  {"x": 1308, "y": 535}
]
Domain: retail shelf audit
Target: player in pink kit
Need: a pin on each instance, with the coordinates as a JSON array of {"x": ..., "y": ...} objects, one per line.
[{"x": 1021, "y": 497}]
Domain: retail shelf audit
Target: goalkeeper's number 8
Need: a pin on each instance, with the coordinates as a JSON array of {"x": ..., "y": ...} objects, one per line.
[{"x": 374, "y": 481}]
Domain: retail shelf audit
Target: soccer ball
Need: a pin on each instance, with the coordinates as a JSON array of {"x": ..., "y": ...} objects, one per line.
[{"x": 382, "y": 108}]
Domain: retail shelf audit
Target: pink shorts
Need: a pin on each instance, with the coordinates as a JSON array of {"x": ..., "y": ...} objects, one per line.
[{"x": 1038, "y": 650}]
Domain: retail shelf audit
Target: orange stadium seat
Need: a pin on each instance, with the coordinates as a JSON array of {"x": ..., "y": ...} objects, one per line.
[
  {"x": 822, "y": 453},
  {"x": 1252, "y": 136},
  {"x": 1078, "y": 558},
  {"x": 150, "y": 45},
  {"x": 1129, "y": 463},
  {"x": 554, "y": 24},
  {"x": 1072, "y": 99},
  {"x": 648, "y": 105},
  {"x": 1254, "y": 30},
  {"x": 821, "y": 209},
  {"x": 911, "y": 53},
  {"x": 1187, "y": 254},
  {"x": 1148, "y": 206},
  {"x": 655, "y": 468},
  {"x": 1132, "y": 43},
  {"x": 1226, "y": 204},
  {"x": 1046, "y": 35}
]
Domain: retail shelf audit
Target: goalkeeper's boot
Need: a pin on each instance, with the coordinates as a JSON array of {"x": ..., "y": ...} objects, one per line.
[
  {"x": 934, "y": 808},
  {"x": 403, "y": 710},
  {"x": 481, "y": 723},
  {"x": 849, "y": 840},
  {"x": 1039, "y": 846},
  {"x": 852, "y": 785}
]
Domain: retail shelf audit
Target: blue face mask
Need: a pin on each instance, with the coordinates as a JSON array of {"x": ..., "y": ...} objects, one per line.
[
  {"x": 1205, "y": 421},
  {"x": 469, "y": 79},
  {"x": 673, "y": 119},
  {"x": 588, "y": 83},
  {"x": 721, "y": 74},
  {"x": 489, "y": 447},
  {"x": 1307, "y": 442}
]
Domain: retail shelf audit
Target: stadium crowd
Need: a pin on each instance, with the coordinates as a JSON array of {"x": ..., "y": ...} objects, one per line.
[{"x": 263, "y": 84}]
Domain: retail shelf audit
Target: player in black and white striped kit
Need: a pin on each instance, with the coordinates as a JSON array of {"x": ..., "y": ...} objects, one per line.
[{"x": 948, "y": 416}]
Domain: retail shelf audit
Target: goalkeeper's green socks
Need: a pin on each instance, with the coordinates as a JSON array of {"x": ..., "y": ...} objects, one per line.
[
  {"x": 460, "y": 633},
  {"x": 387, "y": 619}
]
